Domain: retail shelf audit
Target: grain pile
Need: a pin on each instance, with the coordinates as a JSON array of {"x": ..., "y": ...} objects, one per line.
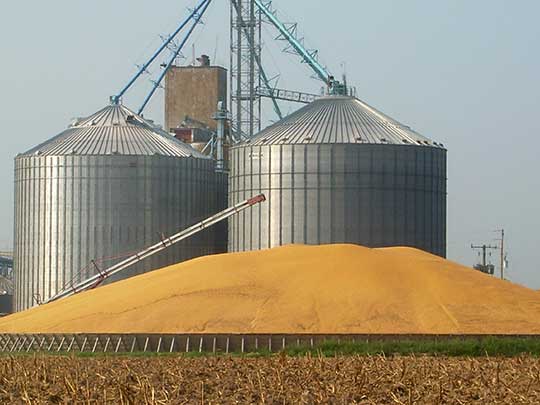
[{"x": 297, "y": 289}]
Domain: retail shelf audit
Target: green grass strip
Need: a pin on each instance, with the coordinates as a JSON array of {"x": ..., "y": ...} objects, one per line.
[
  {"x": 459, "y": 347},
  {"x": 489, "y": 346}
]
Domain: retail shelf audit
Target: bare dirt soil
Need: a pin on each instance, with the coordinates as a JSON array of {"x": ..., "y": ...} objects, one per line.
[{"x": 269, "y": 380}]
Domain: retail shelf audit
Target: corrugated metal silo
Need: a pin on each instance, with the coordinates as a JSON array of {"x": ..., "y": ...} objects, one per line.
[
  {"x": 109, "y": 185},
  {"x": 339, "y": 171}
]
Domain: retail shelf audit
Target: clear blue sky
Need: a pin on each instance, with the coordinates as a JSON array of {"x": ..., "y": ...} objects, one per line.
[{"x": 462, "y": 72}]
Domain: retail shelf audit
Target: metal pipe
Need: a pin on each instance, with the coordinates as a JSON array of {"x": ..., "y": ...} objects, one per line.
[
  {"x": 96, "y": 280},
  {"x": 221, "y": 117},
  {"x": 175, "y": 55},
  {"x": 116, "y": 99}
]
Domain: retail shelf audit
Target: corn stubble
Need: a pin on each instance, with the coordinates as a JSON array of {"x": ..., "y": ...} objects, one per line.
[{"x": 269, "y": 380}]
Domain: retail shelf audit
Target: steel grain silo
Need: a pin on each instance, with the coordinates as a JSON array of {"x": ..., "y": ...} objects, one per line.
[
  {"x": 107, "y": 186},
  {"x": 339, "y": 171}
]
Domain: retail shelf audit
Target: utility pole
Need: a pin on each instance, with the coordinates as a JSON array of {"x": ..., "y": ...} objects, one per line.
[
  {"x": 502, "y": 251},
  {"x": 484, "y": 267}
]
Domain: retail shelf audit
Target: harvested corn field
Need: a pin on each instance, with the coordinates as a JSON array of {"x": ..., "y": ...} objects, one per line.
[
  {"x": 272, "y": 380},
  {"x": 297, "y": 289}
]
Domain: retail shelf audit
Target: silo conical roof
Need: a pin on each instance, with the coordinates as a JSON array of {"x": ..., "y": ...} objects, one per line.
[
  {"x": 340, "y": 120},
  {"x": 114, "y": 130}
]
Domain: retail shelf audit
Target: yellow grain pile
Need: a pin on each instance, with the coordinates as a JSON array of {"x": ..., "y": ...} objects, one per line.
[{"x": 297, "y": 289}]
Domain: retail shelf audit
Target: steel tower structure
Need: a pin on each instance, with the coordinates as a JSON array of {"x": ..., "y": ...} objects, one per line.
[{"x": 245, "y": 72}]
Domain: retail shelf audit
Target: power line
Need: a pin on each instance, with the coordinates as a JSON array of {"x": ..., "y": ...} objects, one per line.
[{"x": 484, "y": 267}]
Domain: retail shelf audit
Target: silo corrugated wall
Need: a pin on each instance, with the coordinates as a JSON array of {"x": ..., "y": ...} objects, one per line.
[
  {"x": 123, "y": 186},
  {"x": 372, "y": 195},
  {"x": 339, "y": 171}
]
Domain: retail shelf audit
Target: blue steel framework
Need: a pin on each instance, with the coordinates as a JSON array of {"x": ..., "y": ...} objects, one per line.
[
  {"x": 289, "y": 34},
  {"x": 247, "y": 72},
  {"x": 249, "y": 81},
  {"x": 116, "y": 99},
  {"x": 197, "y": 17}
]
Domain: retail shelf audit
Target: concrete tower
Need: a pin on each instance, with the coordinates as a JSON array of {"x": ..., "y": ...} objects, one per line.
[{"x": 194, "y": 92}]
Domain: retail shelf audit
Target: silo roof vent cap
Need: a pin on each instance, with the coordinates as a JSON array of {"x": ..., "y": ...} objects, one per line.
[{"x": 75, "y": 122}]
